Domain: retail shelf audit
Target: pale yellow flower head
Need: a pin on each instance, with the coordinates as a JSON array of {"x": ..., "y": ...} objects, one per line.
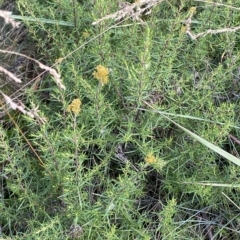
[
  {"x": 183, "y": 29},
  {"x": 192, "y": 10},
  {"x": 150, "y": 159},
  {"x": 101, "y": 74},
  {"x": 75, "y": 106},
  {"x": 85, "y": 34},
  {"x": 157, "y": 162}
]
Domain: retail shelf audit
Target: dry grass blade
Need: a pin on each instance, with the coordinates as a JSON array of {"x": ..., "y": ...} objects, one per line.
[
  {"x": 214, "y": 184},
  {"x": 52, "y": 71},
  {"x": 6, "y": 16},
  {"x": 210, "y": 31},
  {"x": 217, "y": 4},
  {"x": 11, "y": 75},
  {"x": 14, "y": 106},
  {"x": 193, "y": 36},
  {"x": 16, "y": 125},
  {"x": 22, "y": 108},
  {"x": 134, "y": 10}
]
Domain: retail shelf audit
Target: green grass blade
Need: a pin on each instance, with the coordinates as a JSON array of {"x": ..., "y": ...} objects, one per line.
[
  {"x": 214, "y": 184},
  {"x": 189, "y": 117},
  {"x": 211, "y": 146},
  {"x": 43, "y": 20}
]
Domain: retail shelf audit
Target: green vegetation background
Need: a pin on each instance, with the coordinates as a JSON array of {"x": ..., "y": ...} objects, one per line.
[{"x": 95, "y": 175}]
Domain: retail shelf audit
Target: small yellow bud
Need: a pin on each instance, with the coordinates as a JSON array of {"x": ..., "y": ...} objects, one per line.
[
  {"x": 85, "y": 34},
  {"x": 150, "y": 159},
  {"x": 59, "y": 60}
]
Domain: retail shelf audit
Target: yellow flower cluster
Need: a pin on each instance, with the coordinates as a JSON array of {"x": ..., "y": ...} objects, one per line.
[
  {"x": 150, "y": 159},
  {"x": 192, "y": 10},
  {"x": 183, "y": 29},
  {"x": 75, "y": 106},
  {"x": 101, "y": 74},
  {"x": 85, "y": 34}
]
